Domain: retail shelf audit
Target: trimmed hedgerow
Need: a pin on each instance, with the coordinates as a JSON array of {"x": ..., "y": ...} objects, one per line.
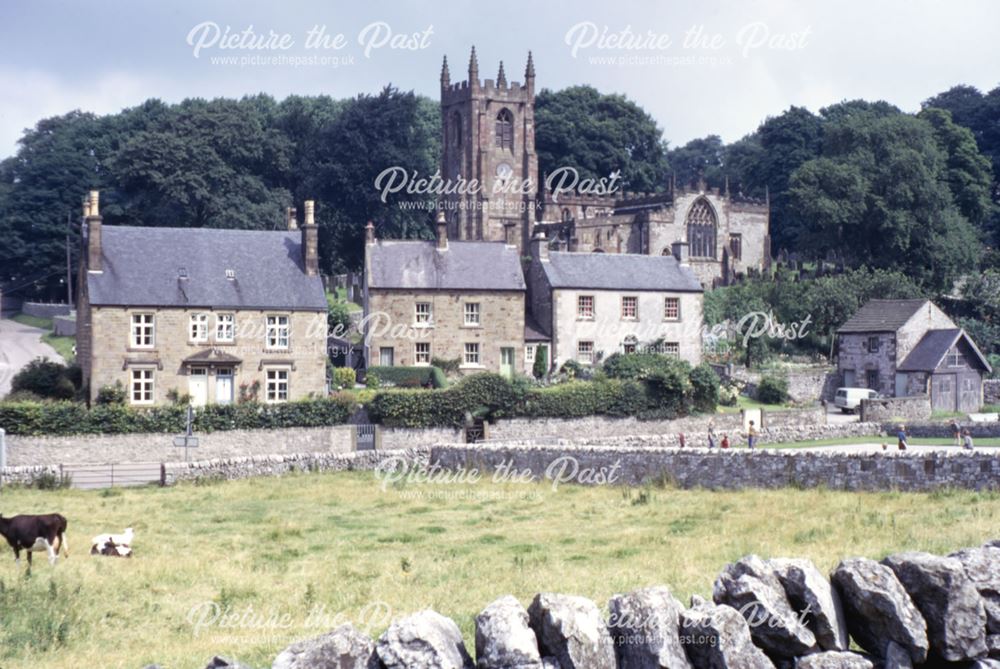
[
  {"x": 408, "y": 377},
  {"x": 62, "y": 418}
]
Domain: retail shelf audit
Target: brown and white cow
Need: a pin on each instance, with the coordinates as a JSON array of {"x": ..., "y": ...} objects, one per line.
[{"x": 35, "y": 534}]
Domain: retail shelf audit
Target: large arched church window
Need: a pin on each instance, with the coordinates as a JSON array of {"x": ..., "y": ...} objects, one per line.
[
  {"x": 702, "y": 226},
  {"x": 505, "y": 130},
  {"x": 456, "y": 124}
]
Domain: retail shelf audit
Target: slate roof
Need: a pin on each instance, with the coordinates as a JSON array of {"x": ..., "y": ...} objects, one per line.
[
  {"x": 619, "y": 271},
  {"x": 533, "y": 331},
  {"x": 419, "y": 265},
  {"x": 933, "y": 346},
  {"x": 882, "y": 316},
  {"x": 142, "y": 267}
]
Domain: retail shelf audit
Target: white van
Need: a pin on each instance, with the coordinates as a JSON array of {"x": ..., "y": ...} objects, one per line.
[{"x": 849, "y": 399}]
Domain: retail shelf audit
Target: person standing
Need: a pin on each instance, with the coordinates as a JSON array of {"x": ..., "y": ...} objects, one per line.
[
  {"x": 967, "y": 440},
  {"x": 751, "y": 436},
  {"x": 901, "y": 436},
  {"x": 956, "y": 429},
  {"x": 711, "y": 435},
  {"x": 725, "y": 441}
]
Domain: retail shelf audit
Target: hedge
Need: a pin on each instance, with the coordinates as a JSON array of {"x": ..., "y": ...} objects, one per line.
[
  {"x": 409, "y": 377},
  {"x": 62, "y": 418}
]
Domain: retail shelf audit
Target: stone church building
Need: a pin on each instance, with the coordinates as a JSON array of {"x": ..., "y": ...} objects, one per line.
[{"x": 489, "y": 138}]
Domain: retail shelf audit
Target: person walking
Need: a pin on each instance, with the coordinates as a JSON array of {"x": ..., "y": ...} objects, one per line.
[
  {"x": 956, "y": 429},
  {"x": 751, "y": 436},
  {"x": 967, "y": 440},
  {"x": 901, "y": 436},
  {"x": 711, "y": 435}
]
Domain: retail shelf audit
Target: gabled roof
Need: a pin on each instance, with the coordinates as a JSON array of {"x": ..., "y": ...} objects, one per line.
[
  {"x": 619, "y": 271},
  {"x": 420, "y": 265},
  {"x": 142, "y": 268},
  {"x": 533, "y": 331},
  {"x": 882, "y": 316},
  {"x": 933, "y": 346}
]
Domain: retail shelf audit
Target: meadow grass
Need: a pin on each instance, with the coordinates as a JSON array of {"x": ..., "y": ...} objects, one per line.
[{"x": 327, "y": 548}]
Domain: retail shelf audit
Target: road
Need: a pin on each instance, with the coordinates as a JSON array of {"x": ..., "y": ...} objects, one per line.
[{"x": 19, "y": 345}]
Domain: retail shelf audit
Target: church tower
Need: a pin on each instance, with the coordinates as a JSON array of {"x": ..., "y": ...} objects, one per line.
[{"x": 488, "y": 148}]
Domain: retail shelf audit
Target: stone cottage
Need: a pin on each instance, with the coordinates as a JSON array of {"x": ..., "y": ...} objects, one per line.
[
  {"x": 214, "y": 314},
  {"x": 591, "y": 305},
  {"x": 904, "y": 348},
  {"x": 444, "y": 299}
]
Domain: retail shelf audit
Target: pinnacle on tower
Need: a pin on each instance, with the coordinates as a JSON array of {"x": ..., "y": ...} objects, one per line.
[
  {"x": 501, "y": 77},
  {"x": 445, "y": 74},
  {"x": 473, "y": 66},
  {"x": 529, "y": 70}
]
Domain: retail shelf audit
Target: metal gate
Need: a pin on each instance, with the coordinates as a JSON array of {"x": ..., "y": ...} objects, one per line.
[
  {"x": 366, "y": 437},
  {"x": 91, "y": 477},
  {"x": 475, "y": 432}
]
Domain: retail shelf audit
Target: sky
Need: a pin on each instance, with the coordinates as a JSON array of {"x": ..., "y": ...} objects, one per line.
[{"x": 699, "y": 68}]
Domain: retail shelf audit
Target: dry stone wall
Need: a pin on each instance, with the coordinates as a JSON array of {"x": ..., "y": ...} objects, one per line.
[{"x": 906, "y": 409}]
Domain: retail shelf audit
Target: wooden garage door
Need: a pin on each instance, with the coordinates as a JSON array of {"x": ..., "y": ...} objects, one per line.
[
  {"x": 943, "y": 392},
  {"x": 969, "y": 393}
]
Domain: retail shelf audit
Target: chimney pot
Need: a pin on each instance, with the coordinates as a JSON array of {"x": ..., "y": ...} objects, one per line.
[
  {"x": 442, "y": 231},
  {"x": 95, "y": 260},
  {"x": 94, "y": 200},
  {"x": 540, "y": 247},
  {"x": 310, "y": 212},
  {"x": 370, "y": 233},
  {"x": 290, "y": 217},
  {"x": 680, "y": 252},
  {"x": 310, "y": 240}
]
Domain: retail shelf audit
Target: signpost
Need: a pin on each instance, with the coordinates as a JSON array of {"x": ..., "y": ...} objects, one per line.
[
  {"x": 186, "y": 440},
  {"x": 3, "y": 453}
]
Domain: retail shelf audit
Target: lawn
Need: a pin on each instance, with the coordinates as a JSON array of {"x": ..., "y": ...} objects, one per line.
[
  {"x": 33, "y": 321},
  {"x": 309, "y": 551},
  {"x": 744, "y": 402}
]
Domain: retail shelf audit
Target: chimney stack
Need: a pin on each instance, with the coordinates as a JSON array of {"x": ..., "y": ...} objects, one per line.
[
  {"x": 442, "y": 232},
  {"x": 92, "y": 210},
  {"x": 540, "y": 247},
  {"x": 680, "y": 252},
  {"x": 370, "y": 233},
  {"x": 290, "y": 217},
  {"x": 310, "y": 240}
]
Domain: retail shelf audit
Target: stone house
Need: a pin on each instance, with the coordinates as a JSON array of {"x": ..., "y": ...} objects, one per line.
[
  {"x": 488, "y": 139},
  {"x": 214, "y": 314},
  {"x": 905, "y": 348},
  {"x": 591, "y": 305},
  {"x": 444, "y": 299}
]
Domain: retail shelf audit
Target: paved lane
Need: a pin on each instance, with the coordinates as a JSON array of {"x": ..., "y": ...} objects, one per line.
[{"x": 19, "y": 345}]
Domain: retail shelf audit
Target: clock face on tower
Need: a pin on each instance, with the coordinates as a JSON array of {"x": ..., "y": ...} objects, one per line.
[{"x": 504, "y": 171}]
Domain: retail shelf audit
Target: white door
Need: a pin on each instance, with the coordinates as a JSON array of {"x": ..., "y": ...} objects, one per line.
[
  {"x": 223, "y": 386},
  {"x": 198, "y": 386}
]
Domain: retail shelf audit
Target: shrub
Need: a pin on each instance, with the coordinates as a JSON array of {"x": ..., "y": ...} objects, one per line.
[
  {"x": 704, "y": 388},
  {"x": 46, "y": 378},
  {"x": 641, "y": 365},
  {"x": 112, "y": 394},
  {"x": 540, "y": 368},
  {"x": 61, "y": 418},
  {"x": 405, "y": 377},
  {"x": 344, "y": 377},
  {"x": 773, "y": 390},
  {"x": 573, "y": 369},
  {"x": 447, "y": 366}
]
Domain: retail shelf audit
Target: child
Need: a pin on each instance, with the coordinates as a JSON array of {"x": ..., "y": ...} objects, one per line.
[
  {"x": 967, "y": 441},
  {"x": 957, "y": 431},
  {"x": 751, "y": 436},
  {"x": 901, "y": 435},
  {"x": 711, "y": 435},
  {"x": 725, "y": 441}
]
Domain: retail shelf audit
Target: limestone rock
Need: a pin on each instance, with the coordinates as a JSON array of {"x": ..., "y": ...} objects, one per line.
[
  {"x": 993, "y": 645},
  {"x": 982, "y": 566},
  {"x": 832, "y": 659},
  {"x": 571, "y": 630},
  {"x": 808, "y": 590},
  {"x": 751, "y": 587},
  {"x": 645, "y": 625},
  {"x": 897, "y": 657},
  {"x": 343, "y": 648},
  {"x": 948, "y": 601},
  {"x": 220, "y": 662},
  {"x": 995, "y": 543},
  {"x": 985, "y": 664},
  {"x": 504, "y": 640},
  {"x": 878, "y": 610},
  {"x": 719, "y": 637},
  {"x": 424, "y": 639}
]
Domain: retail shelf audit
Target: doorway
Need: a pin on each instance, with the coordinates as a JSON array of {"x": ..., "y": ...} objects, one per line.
[
  {"x": 224, "y": 385},
  {"x": 198, "y": 386},
  {"x": 507, "y": 361}
]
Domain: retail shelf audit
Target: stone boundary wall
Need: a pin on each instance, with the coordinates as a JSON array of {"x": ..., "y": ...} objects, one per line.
[
  {"x": 64, "y": 326},
  {"x": 886, "y": 409},
  {"x": 45, "y": 310},
  {"x": 701, "y": 468},
  {"x": 944, "y": 430},
  {"x": 991, "y": 391},
  {"x": 787, "y": 417},
  {"x": 103, "y": 448},
  {"x": 804, "y": 385},
  {"x": 396, "y": 438}
]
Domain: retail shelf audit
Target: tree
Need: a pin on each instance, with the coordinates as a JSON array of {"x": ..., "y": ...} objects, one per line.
[
  {"x": 699, "y": 159},
  {"x": 969, "y": 174},
  {"x": 599, "y": 134}
]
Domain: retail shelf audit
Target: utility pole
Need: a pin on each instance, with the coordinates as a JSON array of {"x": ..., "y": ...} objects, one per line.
[{"x": 69, "y": 265}]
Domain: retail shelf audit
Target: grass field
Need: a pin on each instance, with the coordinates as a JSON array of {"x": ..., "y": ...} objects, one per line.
[{"x": 323, "y": 549}]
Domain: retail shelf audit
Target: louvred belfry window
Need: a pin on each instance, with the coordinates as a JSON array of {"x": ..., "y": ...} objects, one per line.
[{"x": 505, "y": 130}]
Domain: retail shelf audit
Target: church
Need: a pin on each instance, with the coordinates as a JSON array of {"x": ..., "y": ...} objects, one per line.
[{"x": 488, "y": 131}]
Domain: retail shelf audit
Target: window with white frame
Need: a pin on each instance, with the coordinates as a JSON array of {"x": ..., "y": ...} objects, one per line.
[
  {"x": 198, "y": 329},
  {"x": 585, "y": 307},
  {"x": 585, "y": 352},
  {"x": 386, "y": 356},
  {"x": 472, "y": 313},
  {"x": 141, "y": 385},
  {"x": 277, "y": 332},
  {"x": 671, "y": 308},
  {"x": 630, "y": 307},
  {"x": 142, "y": 331},
  {"x": 277, "y": 385},
  {"x": 472, "y": 353},
  {"x": 422, "y": 315},
  {"x": 225, "y": 327},
  {"x": 529, "y": 353},
  {"x": 422, "y": 353},
  {"x": 672, "y": 349},
  {"x": 955, "y": 357}
]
